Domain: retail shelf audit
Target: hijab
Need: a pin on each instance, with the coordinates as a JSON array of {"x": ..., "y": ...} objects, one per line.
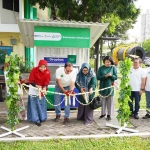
[
  {"x": 39, "y": 77},
  {"x": 82, "y": 80}
]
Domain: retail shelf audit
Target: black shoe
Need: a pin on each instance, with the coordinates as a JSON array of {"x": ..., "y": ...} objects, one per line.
[
  {"x": 102, "y": 116},
  {"x": 66, "y": 121},
  {"x": 136, "y": 116},
  {"x": 38, "y": 123},
  {"x": 57, "y": 118},
  {"x": 108, "y": 118},
  {"x": 146, "y": 116}
]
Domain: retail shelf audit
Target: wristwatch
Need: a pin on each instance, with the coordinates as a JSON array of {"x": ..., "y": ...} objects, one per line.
[{"x": 142, "y": 89}]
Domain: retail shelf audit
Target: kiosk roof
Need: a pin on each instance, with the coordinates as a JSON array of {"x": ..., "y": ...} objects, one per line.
[{"x": 27, "y": 28}]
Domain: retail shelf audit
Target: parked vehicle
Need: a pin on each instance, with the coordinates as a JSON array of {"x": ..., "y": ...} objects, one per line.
[{"x": 147, "y": 61}]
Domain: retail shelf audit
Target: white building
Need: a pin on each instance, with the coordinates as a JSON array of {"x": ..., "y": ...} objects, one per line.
[
  {"x": 145, "y": 26},
  {"x": 9, "y": 30},
  {"x": 10, "y": 38}
]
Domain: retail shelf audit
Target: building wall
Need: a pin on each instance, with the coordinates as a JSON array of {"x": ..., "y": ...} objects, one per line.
[
  {"x": 42, "y": 14},
  {"x": 9, "y": 27},
  {"x": 5, "y": 40},
  {"x": 8, "y": 16},
  {"x": 82, "y": 54},
  {"x": 145, "y": 25}
]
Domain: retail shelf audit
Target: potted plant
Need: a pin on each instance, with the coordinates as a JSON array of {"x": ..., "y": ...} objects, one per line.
[
  {"x": 13, "y": 73},
  {"x": 125, "y": 92},
  {"x": 25, "y": 67}
]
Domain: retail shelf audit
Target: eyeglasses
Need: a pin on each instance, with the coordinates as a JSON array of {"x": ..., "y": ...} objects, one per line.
[{"x": 85, "y": 70}]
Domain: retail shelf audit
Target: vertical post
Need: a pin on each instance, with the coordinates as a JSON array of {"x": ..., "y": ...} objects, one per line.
[
  {"x": 0, "y": 10},
  {"x": 97, "y": 55},
  {"x": 21, "y": 9},
  {"x": 29, "y": 13},
  {"x": 35, "y": 56},
  {"x": 26, "y": 9},
  {"x": 27, "y": 56},
  {"x": 101, "y": 51}
]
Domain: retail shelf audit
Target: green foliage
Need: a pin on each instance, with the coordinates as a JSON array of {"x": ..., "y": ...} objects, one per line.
[
  {"x": 125, "y": 91},
  {"x": 113, "y": 143},
  {"x": 120, "y": 14},
  {"x": 25, "y": 66},
  {"x": 146, "y": 45},
  {"x": 13, "y": 73},
  {"x": 91, "y": 52},
  {"x": 2, "y": 56},
  {"x": 91, "y": 63},
  {"x": 143, "y": 65},
  {"x": 142, "y": 101}
]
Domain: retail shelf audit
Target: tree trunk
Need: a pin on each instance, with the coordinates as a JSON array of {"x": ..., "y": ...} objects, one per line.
[
  {"x": 97, "y": 55},
  {"x": 83, "y": 12},
  {"x": 53, "y": 12}
]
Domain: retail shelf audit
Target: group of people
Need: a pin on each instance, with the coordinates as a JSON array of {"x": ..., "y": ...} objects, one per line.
[
  {"x": 66, "y": 81},
  {"x": 85, "y": 81},
  {"x": 140, "y": 83}
]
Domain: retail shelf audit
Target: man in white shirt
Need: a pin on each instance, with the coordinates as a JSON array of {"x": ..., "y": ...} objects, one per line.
[
  {"x": 147, "y": 93},
  {"x": 65, "y": 79},
  {"x": 137, "y": 81}
]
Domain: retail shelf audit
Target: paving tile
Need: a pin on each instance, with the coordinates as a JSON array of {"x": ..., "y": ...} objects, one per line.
[{"x": 52, "y": 128}]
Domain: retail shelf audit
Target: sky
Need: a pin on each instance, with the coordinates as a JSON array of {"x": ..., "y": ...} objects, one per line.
[{"x": 135, "y": 32}]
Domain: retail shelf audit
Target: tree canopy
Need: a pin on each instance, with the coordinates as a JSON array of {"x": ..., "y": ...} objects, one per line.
[
  {"x": 146, "y": 45},
  {"x": 121, "y": 14}
]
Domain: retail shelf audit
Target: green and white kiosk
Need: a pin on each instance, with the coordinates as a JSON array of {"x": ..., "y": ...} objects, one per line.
[{"x": 60, "y": 41}]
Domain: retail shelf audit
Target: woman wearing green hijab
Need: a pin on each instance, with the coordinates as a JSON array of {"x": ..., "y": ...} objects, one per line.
[{"x": 85, "y": 82}]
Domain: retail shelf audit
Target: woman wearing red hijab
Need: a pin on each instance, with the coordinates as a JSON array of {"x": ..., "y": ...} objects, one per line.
[{"x": 36, "y": 107}]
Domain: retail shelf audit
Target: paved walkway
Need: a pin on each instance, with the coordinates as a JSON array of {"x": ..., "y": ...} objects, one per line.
[{"x": 51, "y": 128}]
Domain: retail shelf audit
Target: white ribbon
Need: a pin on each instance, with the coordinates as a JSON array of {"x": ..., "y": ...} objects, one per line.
[
  {"x": 69, "y": 100},
  {"x": 39, "y": 93},
  {"x": 85, "y": 96},
  {"x": 21, "y": 89},
  {"x": 65, "y": 100},
  {"x": 74, "y": 100}
]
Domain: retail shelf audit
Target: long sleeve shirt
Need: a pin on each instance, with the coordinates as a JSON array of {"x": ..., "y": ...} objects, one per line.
[{"x": 106, "y": 81}]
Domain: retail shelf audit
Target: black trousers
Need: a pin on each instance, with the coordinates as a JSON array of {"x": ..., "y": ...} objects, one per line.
[{"x": 135, "y": 97}]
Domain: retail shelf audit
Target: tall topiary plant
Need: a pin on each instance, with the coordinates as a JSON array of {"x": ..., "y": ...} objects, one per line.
[
  {"x": 125, "y": 92},
  {"x": 12, "y": 99}
]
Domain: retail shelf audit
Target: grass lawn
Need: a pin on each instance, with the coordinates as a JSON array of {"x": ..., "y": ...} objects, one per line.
[
  {"x": 124, "y": 143},
  {"x": 142, "y": 102},
  {"x": 113, "y": 143}
]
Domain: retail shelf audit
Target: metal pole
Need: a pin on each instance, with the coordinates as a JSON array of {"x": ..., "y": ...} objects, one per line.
[
  {"x": 97, "y": 55},
  {"x": 101, "y": 51}
]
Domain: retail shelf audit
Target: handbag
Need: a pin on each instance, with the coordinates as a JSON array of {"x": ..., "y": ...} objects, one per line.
[{"x": 96, "y": 103}]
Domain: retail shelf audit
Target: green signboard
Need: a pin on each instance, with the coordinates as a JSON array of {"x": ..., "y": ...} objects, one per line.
[
  {"x": 61, "y": 37},
  {"x": 72, "y": 59}
]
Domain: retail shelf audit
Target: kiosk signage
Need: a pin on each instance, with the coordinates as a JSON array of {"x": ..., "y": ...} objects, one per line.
[
  {"x": 56, "y": 60},
  {"x": 61, "y": 37}
]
